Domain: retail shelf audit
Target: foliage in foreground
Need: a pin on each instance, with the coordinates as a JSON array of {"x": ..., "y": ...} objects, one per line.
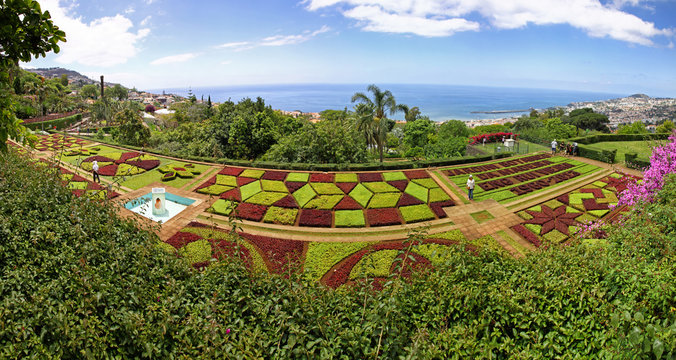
[{"x": 76, "y": 281}]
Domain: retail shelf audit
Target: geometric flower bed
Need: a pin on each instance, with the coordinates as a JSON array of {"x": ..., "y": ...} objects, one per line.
[
  {"x": 555, "y": 221},
  {"x": 332, "y": 263},
  {"x": 58, "y": 142},
  {"x": 80, "y": 186},
  {"x": 120, "y": 164},
  {"x": 327, "y": 199},
  {"x": 171, "y": 172},
  {"x": 508, "y": 180}
]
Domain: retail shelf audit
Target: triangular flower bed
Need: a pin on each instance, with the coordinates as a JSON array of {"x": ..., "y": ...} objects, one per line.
[
  {"x": 346, "y": 186},
  {"x": 348, "y": 203}
]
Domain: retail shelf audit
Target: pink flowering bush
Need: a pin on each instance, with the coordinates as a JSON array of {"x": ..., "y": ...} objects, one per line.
[{"x": 662, "y": 163}]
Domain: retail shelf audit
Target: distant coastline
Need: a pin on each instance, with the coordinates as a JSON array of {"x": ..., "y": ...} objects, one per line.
[{"x": 439, "y": 102}]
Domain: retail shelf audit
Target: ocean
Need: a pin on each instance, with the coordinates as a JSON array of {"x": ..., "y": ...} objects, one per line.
[{"x": 439, "y": 102}]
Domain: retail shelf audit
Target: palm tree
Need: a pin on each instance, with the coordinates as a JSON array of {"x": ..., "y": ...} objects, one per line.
[
  {"x": 410, "y": 114},
  {"x": 371, "y": 115}
]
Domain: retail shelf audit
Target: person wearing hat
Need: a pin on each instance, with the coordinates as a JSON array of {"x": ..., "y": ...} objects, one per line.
[
  {"x": 554, "y": 143},
  {"x": 470, "y": 187},
  {"x": 95, "y": 171}
]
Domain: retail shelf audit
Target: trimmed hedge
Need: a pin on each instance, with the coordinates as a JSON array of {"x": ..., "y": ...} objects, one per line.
[
  {"x": 607, "y": 155},
  {"x": 59, "y": 123},
  {"x": 633, "y": 162}
]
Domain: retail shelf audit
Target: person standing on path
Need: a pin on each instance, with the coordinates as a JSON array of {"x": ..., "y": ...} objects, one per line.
[
  {"x": 95, "y": 171},
  {"x": 484, "y": 142},
  {"x": 554, "y": 143},
  {"x": 470, "y": 187}
]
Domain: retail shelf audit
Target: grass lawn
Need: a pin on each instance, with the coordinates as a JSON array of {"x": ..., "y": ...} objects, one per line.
[
  {"x": 642, "y": 148},
  {"x": 525, "y": 147}
]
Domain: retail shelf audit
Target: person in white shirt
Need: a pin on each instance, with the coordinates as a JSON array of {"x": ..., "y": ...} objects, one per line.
[
  {"x": 470, "y": 187},
  {"x": 95, "y": 171},
  {"x": 554, "y": 144}
]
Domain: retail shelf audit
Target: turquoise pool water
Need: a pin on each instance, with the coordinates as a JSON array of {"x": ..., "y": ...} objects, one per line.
[{"x": 174, "y": 205}]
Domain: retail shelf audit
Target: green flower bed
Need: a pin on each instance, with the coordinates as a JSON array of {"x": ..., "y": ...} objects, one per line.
[
  {"x": 324, "y": 202},
  {"x": 376, "y": 264},
  {"x": 77, "y": 185},
  {"x": 298, "y": 177},
  {"x": 304, "y": 194},
  {"x": 361, "y": 194},
  {"x": 125, "y": 169},
  {"x": 265, "y": 198},
  {"x": 228, "y": 180},
  {"x": 346, "y": 177},
  {"x": 222, "y": 207},
  {"x": 185, "y": 174},
  {"x": 322, "y": 256},
  {"x": 279, "y": 215},
  {"x": 394, "y": 176},
  {"x": 274, "y": 185},
  {"x": 196, "y": 252},
  {"x": 437, "y": 254},
  {"x": 437, "y": 194},
  {"x": 88, "y": 165},
  {"x": 214, "y": 189},
  {"x": 384, "y": 200},
  {"x": 216, "y": 234},
  {"x": 426, "y": 182},
  {"x": 326, "y": 189},
  {"x": 417, "y": 191},
  {"x": 252, "y": 173},
  {"x": 416, "y": 213},
  {"x": 169, "y": 176},
  {"x": 349, "y": 218},
  {"x": 380, "y": 187},
  {"x": 250, "y": 189}
]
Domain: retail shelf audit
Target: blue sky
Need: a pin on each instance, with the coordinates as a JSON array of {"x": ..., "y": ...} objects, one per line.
[{"x": 616, "y": 46}]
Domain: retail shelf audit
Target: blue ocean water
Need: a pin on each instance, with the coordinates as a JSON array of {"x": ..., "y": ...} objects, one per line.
[{"x": 439, "y": 102}]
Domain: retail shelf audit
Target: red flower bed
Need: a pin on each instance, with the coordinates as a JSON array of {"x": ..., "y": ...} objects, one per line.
[
  {"x": 126, "y": 156},
  {"x": 98, "y": 158},
  {"x": 232, "y": 194},
  {"x": 408, "y": 266},
  {"x": 399, "y": 184},
  {"x": 471, "y": 170},
  {"x": 564, "y": 199},
  {"x": 527, "y": 234},
  {"x": 321, "y": 177},
  {"x": 591, "y": 204},
  {"x": 223, "y": 249},
  {"x": 416, "y": 174},
  {"x": 200, "y": 225},
  {"x": 348, "y": 203},
  {"x": 294, "y": 185},
  {"x": 181, "y": 239},
  {"x": 229, "y": 170},
  {"x": 494, "y": 137},
  {"x": 598, "y": 193},
  {"x": 316, "y": 218},
  {"x": 282, "y": 255},
  {"x": 207, "y": 183},
  {"x": 94, "y": 186},
  {"x": 241, "y": 181},
  {"x": 370, "y": 177},
  {"x": 77, "y": 192},
  {"x": 407, "y": 199},
  {"x": 383, "y": 217},
  {"x": 251, "y": 212},
  {"x": 175, "y": 168},
  {"x": 287, "y": 202},
  {"x": 145, "y": 164},
  {"x": 77, "y": 177},
  {"x": 437, "y": 207},
  {"x": 275, "y": 175},
  {"x": 108, "y": 170},
  {"x": 346, "y": 187}
]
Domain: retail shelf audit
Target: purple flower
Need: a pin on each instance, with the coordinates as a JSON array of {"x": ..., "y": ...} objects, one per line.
[{"x": 227, "y": 331}]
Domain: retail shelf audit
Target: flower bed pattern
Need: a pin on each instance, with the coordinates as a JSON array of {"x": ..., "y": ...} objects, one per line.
[
  {"x": 507, "y": 180},
  {"x": 80, "y": 186},
  {"x": 555, "y": 221},
  {"x": 58, "y": 142},
  {"x": 121, "y": 164},
  {"x": 317, "y": 197}
]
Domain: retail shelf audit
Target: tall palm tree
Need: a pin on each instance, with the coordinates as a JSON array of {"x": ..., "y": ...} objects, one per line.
[
  {"x": 372, "y": 115},
  {"x": 410, "y": 114}
]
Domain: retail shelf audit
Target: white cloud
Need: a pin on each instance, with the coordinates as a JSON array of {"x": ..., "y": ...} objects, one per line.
[
  {"x": 150, "y": 2},
  {"x": 226, "y": 62},
  {"x": 106, "y": 41},
  {"x": 129, "y": 10},
  {"x": 276, "y": 40},
  {"x": 446, "y": 17},
  {"x": 145, "y": 21},
  {"x": 172, "y": 59}
]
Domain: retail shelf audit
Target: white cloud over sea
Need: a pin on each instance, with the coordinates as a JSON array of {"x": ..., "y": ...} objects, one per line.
[{"x": 435, "y": 18}]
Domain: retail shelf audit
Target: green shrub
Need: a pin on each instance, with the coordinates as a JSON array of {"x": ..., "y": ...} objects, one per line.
[
  {"x": 304, "y": 194},
  {"x": 185, "y": 174},
  {"x": 438, "y": 194},
  {"x": 380, "y": 187},
  {"x": 323, "y": 202},
  {"x": 228, "y": 180},
  {"x": 252, "y": 173},
  {"x": 349, "y": 218},
  {"x": 272, "y": 185},
  {"x": 222, "y": 207},
  {"x": 298, "y": 177},
  {"x": 346, "y": 177},
  {"x": 376, "y": 264},
  {"x": 321, "y": 256},
  {"x": 361, "y": 194},
  {"x": 427, "y": 182},
  {"x": 393, "y": 176},
  {"x": 417, "y": 191},
  {"x": 214, "y": 189},
  {"x": 326, "y": 189},
  {"x": 196, "y": 252},
  {"x": 250, "y": 189},
  {"x": 265, "y": 198}
]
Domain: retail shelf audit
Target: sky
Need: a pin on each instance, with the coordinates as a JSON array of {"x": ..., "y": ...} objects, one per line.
[{"x": 613, "y": 46}]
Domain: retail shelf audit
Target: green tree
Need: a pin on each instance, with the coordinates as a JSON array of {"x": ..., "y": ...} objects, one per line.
[
  {"x": 410, "y": 114},
  {"x": 453, "y": 128},
  {"x": 666, "y": 127},
  {"x": 377, "y": 108},
  {"x": 25, "y": 32},
  {"x": 64, "y": 79},
  {"x": 556, "y": 129},
  {"x": 587, "y": 119},
  {"x": 89, "y": 91},
  {"x": 418, "y": 132},
  {"x": 118, "y": 92},
  {"x": 634, "y": 128},
  {"x": 132, "y": 130}
]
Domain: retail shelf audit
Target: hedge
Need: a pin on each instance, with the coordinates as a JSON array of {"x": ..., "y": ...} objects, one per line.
[
  {"x": 633, "y": 162},
  {"x": 592, "y": 139},
  {"x": 59, "y": 123}
]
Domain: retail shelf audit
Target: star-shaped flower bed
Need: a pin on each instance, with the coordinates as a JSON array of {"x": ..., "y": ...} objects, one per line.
[
  {"x": 120, "y": 164},
  {"x": 550, "y": 219}
]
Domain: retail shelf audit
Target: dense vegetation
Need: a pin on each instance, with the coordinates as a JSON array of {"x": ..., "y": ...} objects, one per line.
[{"x": 77, "y": 281}]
